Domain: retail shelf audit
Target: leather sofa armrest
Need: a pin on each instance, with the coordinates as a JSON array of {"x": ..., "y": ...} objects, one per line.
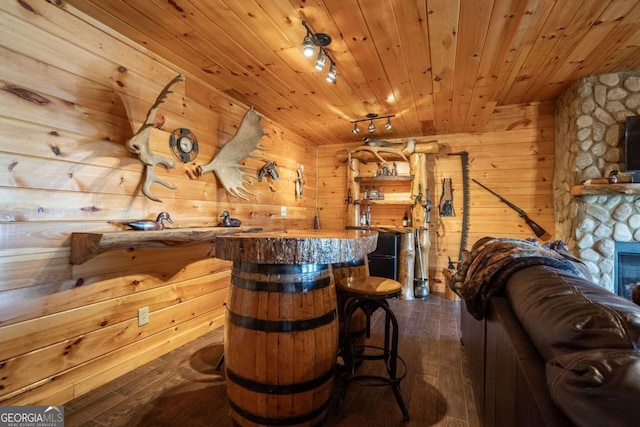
[
  {"x": 563, "y": 313},
  {"x": 596, "y": 386}
]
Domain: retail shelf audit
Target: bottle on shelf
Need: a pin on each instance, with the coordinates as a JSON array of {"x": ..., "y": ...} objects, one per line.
[
  {"x": 380, "y": 194},
  {"x": 366, "y": 193},
  {"x": 369, "y": 215},
  {"x": 405, "y": 220},
  {"x": 373, "y": 194}
]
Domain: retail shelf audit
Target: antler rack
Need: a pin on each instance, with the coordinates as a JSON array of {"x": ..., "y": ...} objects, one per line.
[{"x": 138, "y": 144}]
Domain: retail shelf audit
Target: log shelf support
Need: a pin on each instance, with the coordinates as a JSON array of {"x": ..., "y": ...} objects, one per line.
[{"x": 85, "y": 246}]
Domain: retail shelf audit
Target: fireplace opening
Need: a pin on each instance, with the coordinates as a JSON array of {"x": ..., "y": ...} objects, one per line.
[{"x": 626, "y": 267}]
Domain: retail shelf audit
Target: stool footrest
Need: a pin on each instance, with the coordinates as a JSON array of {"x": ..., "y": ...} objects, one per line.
[{"x": 371, "y": 380}]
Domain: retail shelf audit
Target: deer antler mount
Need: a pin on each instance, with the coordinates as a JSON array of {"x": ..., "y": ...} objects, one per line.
[
  {"x": 139, "y": 145},
  {"x": 377, "y": 148},
  {"x": 226, "y": 164}
]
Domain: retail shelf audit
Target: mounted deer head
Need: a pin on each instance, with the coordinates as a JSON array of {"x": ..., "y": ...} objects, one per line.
[{"x": 139, "y": 145}]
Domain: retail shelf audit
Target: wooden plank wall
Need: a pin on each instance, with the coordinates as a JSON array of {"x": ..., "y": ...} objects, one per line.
[
  {"x": 514, "y": 157},
  {"x": 66, "y": 87}
]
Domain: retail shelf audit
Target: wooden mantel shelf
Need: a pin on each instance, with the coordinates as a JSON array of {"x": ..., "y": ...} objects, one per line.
[
  {"x": 85, "y": 246},
  {"x": 605, "y": 189}
]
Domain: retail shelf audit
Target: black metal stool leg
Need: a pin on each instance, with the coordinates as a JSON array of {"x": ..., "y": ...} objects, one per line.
[
  {"x": 220, "y": 362},
  {"x": 400, "y": 400},
  {"x": 344, "y": 385},
  {"x": 393, "y": 361}
]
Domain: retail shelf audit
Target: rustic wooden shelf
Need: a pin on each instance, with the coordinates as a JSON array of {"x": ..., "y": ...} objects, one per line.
[
  {"x": 388, "y": 178},
  {"x": 382, "y": 202},
  {"x": 605, "y": 189},
  {"x": 85, "y": 246},
  {"x": 381, "y": 228}
]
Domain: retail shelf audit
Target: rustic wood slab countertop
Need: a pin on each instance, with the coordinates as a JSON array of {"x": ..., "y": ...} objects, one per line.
[
  {"x": 85, "y": 246},
  {"x": 297, "y": 246}
]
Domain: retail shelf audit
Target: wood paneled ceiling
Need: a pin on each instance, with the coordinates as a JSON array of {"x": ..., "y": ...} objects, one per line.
[{"x": 441, "y": 66}]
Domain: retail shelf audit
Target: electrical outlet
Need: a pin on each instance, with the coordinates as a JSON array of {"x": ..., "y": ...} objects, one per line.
[
  {"x": 143, "y": 316},
  {"x": 283, "y": 211}
]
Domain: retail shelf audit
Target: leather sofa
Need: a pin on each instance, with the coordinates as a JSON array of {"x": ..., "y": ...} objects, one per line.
[{"x": 552, "y": 348}]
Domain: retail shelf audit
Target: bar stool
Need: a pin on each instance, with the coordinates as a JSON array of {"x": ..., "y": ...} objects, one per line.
[{"x": 370, "y": 294}]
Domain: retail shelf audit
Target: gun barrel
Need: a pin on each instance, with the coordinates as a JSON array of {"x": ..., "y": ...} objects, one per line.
[
  {"x": 502, "y": 199},
  {"x": 535, "y": 227}
]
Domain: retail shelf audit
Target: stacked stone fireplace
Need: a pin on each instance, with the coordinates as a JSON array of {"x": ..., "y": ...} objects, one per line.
[{"x": 589, "y": 134}]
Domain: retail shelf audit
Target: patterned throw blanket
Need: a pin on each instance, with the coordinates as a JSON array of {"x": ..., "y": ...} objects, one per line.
[{"x": 491, "y": 261}]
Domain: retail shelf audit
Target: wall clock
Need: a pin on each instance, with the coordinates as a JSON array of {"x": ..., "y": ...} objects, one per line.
[{"x": 184, "y": 144}]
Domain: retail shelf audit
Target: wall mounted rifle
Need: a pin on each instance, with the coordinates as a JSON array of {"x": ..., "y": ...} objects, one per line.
[{"x": 540, "y": 232}]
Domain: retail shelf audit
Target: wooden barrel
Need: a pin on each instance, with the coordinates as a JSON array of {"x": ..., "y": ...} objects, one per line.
[
  {"x": 281, "y": 337},
  {"x": 341, "y": 271}
]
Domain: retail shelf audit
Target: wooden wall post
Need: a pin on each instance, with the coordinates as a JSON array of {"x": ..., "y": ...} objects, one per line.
[
  {"x": 407, "y": 261},
  {"x": 418, "y": 164},
  {"x": 353, "y": 210}
]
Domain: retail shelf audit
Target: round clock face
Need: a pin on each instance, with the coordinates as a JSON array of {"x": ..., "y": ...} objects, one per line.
[{"x": 184, "y": 144}]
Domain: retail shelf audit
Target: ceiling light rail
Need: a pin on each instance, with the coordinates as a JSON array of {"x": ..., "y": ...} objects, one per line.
[
  {"x": 372, "y": 127},
  {"x": 319, "y": 40}
]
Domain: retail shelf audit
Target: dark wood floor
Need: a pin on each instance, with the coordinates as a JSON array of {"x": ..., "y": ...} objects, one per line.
[{"x": 182, "y": 388}]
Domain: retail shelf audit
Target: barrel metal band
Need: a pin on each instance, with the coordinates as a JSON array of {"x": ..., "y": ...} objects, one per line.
[
  {"x": 252, "y": 267},
  {"x": 280, "y": 325},
  {"x": 282, "y": 421},
  {"x": 288, "y": 287},
  {"x": 259, "y": 387}
]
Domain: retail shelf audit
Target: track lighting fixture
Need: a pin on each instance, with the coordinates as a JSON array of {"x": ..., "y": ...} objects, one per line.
[
  {"x": 322, "y": 59},
  {"x": 372, "y": 127},
  {"x": 331, "y": 75},
  {"x": 311, "y": 40},
  {"x": 308, "y": 48}
]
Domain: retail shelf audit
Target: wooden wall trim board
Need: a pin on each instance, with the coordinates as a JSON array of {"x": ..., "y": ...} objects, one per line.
[{"x": 64, "y": 169}]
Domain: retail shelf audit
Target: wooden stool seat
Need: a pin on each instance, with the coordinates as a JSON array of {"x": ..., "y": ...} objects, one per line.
[{"x": 371, "y": 286}]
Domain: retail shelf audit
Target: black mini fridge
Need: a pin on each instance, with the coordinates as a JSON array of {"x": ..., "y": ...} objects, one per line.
[{"x": 383, "y": 262}]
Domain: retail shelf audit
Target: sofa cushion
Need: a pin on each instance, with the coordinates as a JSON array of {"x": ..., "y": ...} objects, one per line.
[
  {"x": 596, "y": 387},
  {"x": 564, "y": 313}
]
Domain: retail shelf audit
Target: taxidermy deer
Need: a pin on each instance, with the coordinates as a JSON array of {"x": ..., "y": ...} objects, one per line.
[
  {"x": 225, "y": 165},
  {"x": 139, "y": 145}
]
